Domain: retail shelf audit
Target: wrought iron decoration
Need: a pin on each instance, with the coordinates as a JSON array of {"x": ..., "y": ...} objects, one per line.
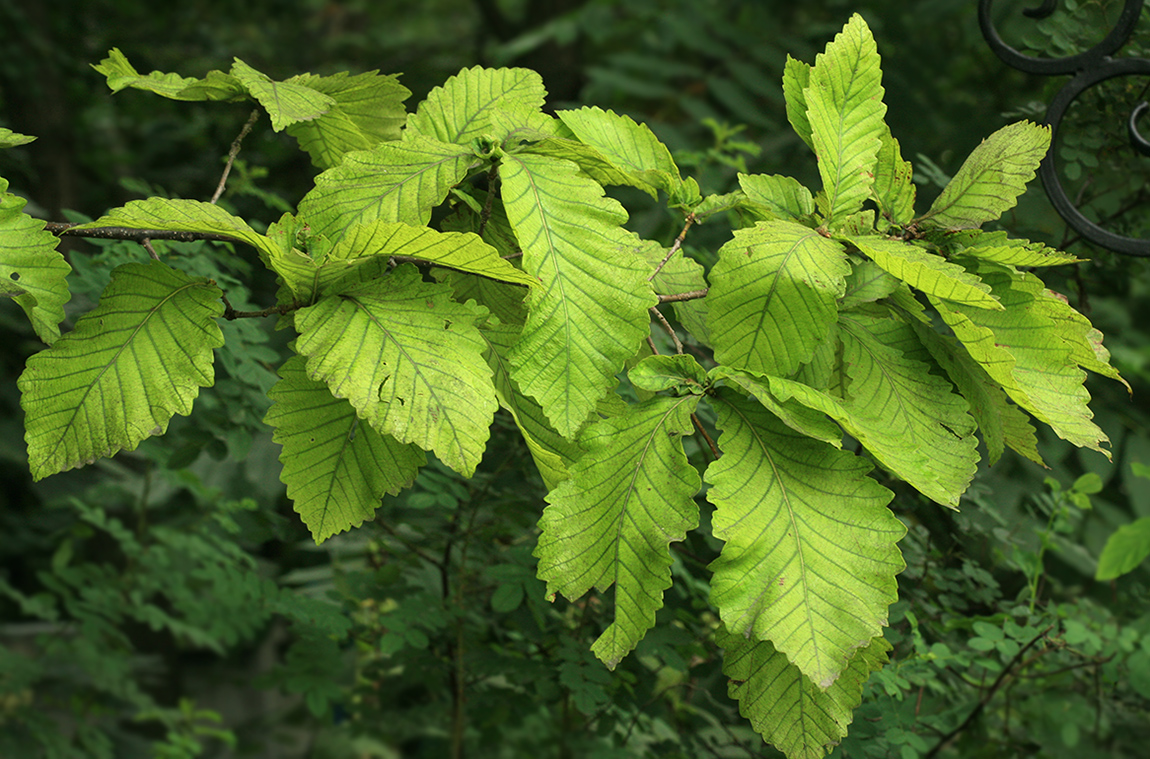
[{"x": 1086, "y": 69}]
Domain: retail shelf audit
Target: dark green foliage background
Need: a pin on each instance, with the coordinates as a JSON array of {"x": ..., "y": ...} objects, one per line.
[{"x": 168, "y": 602}]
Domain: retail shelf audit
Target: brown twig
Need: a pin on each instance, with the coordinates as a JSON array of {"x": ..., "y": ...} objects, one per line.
[
  {"x": 147, "y": 243},
  {"x": 231, "y": 314},
  {"x": 235, "y": 151},
  {"x": 679, "y": 297},
  {"x": 974, "y": 714},
  {"x": 61, "y": 229},
  {"x": 702, "y": 431},
  {"x": 670, "y": 330},
  {"x": 674, "y": 247}
]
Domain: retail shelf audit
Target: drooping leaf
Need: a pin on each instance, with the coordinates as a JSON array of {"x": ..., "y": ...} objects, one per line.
[
  {"x": 630, "y": 146},
  {"x": 781, "y": 197},
  {"x": 394, "y": 181},
  {"x": 366, "y": 109},
  {"x": 179, "y": 215},
  {"x": 993, "y": 176},
  {"x": 1028, "y": 353},
  {"x": 10, "y": 139},
  {"x": 553, "y": 453},
  {"x": 773, "y": 296},
  {"x": 629, "y": 497},
  {"x": 592, "y": 311},
  {"x": 810, "y": 554},
  {"x": 462, "y": 108},
  {"x": 1086, "y": 348},
  {"x": 788, "y": 710},
  {"x": 845, "y": 109},
  {"x": 680, "y": 373},
  {"x": 893, "y": 189},
  {"x": 336, "y": 467},
  {"x": 30, "y": 262},
  {"x": 131, "y": 363},
  {"x": 796, "y": 79},
  {"x": 800, "y": 418},
  {"x": 919, "y": 428},
  {"x": 926, "y": 271},
  {"x": 287, "y": 103},
  {"x": 1001, "y": 423},
  {"x": 592, "y": 162},
  {"x": 409, "y": 359}
]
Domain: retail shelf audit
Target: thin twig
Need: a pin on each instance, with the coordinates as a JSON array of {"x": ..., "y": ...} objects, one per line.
[
  {"x": 674, "y": 247},
  {"x": 702, "y": 431},
  {"x": 946, "y": 739},
  {"x": 670, "y": 330},
  {"x": 147, "y": 243},
  {"x": 235, "y": 151},
  {"x": 60, "y": 229},
  {"x": 679, "y": 297},
  {"x": 231, "y": 314}
]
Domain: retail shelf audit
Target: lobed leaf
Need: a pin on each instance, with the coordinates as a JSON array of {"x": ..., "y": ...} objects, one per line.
[
  {"x": 629, "y": 497},
  {"x": 120, "y": 75},
  {"x": 462, "y": 108},
  {"x": 997, "y": 247},
  {"x": 796, "y": 79},
  {"x": 845, "y": 110},
  {"x": 866, "y": 283},
  {"x": 773, "y": 296},
  {"x": 131, "y": 363},
  {"x": 788, "y": 710},
  {"x": 409, "y": 359},
  {"x": 336, "y": 468},
  {"x": 993, "y": 176},
  {"x": 680, "y": 373},
  {"x": 31, "y": 267},
  {"x": 781, "y": 197},
  {"x": 394, "y": 181},
  {"x": 893, "y": 188},
  {"x": 591, "y": 313},
  {"x": 810, "y": 554}
]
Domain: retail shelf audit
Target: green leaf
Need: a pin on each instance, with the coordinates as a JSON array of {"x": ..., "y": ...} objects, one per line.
[
  {"x": 1086, "y": 348},
  {"x": 462, "y": 252},
  {"x": 462, "y": 108},
  {"x": 782, "y": 197},
  {"x": 1000, "y": 421},
  {"x": 553, "y": 454},
  {"x": 336, "y": 467},
  {"x": 630, "y": 146},
  {"x": 1125, "y": 549},
  {"x": 120, "y": 75},
  {"x": 629, "y": 496},
  {"x": 810, "y": 557},
  {"x": 788, "y": 710},
  {"x": 773, "y": 296},
  {"x": 366, "y": 109},
  {"x": 681, "y": 274},
  {"x": 918, "y": 427},
  {"x": 997, "y": 247},
  {"x": 893, "y": 188},
  {"x": 394, "y": 181},
  {"x": 990, "y": 180},
  {"x": 926, "y": 271},
  {"x": 796, "y": 79},
  {"x": 10, "y": 139},
  {"x": 30, "y": 263},
  {"x": 802, "y": 419},
  {"x": 592, "y": 311},
  {"x": 593, "y": 163},
  {"x": 845, "y": 108},
  {"x": 866, "y": 284},
  {"x": 680, "y": 373},
  {"x": 409, "y": 359},
  {"x": 286, "y": 102},
  {"x": 131, "y": 363},
  {"x": 1028, "y": 353}
]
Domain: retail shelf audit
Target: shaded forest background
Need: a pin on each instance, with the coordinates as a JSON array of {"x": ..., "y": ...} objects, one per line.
[{"x": 169, "y": 603}]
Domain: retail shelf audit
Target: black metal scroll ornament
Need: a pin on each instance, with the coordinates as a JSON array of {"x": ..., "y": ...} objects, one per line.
[{"x": 1087, "y": 68}]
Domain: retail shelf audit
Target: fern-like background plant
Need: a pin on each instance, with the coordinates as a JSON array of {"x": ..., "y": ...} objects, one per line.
[{"x": 466, "y": 265}]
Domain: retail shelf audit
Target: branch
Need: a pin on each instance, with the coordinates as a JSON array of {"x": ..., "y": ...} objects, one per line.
[
  {"x": 674, "y": 247},
  {"x": 60, "y": 229},
  {"x": 677, "y": 297},
  {"x": 231, "y": 314}
]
